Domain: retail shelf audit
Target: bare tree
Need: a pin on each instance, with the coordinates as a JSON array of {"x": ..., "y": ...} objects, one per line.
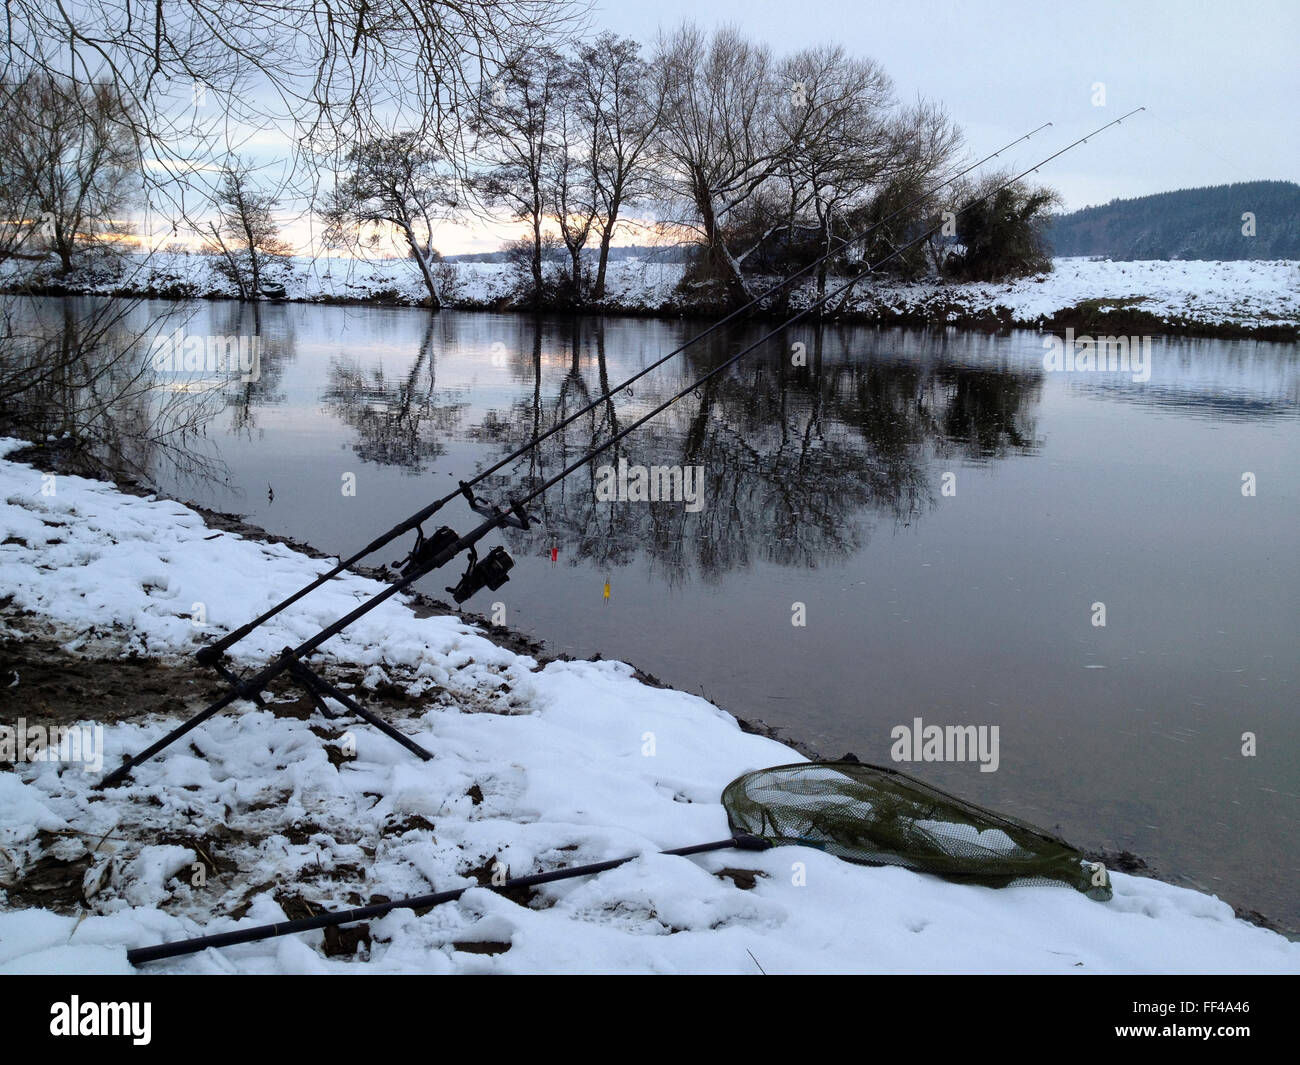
[
  {"x": 571, "y": 180},
  {"x": 246, "y": 235},
  {"x": 621, "y": 104},
  {"x": 923, "y": 147},
  {"x": 20, "y": 218},
  {"x": 394, "y": 180},
  {"x": 780, "y": 161},
  {"x": 838, "y": 123},
  {"x": 720, "y": 139},
  {"x": 70, "y": 155},
  {"x": 516, "y": 122}
]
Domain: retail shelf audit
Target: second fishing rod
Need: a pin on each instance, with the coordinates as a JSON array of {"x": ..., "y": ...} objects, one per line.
[
  {"x": 211, "y": 653},
  {"x": 493, "y": 571}
]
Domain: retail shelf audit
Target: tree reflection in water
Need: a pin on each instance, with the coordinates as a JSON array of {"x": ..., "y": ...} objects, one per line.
[
  {"x": 400, "y": 422},
  {"x": 799, "y": 462}
]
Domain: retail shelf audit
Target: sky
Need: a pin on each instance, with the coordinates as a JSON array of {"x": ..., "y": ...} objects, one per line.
[{"x": 1220, "y": 81}]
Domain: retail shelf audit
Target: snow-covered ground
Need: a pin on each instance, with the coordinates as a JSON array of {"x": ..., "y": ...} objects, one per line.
[
  {"x": 575, "y": 762},
  {"x": 1248, "y": 293},
  {"x": 1252, "y": 294}
]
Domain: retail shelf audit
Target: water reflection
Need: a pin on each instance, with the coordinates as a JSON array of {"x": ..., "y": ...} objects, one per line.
[
  {"x": 75, "y": 375},
  {"x": 274, "y": 332},
  {"x": 398, "y": 422},
  {"x": 798, "y": 460}
]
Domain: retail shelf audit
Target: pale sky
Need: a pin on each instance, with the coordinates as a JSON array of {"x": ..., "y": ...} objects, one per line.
[{"x": 1220, "y": 81}]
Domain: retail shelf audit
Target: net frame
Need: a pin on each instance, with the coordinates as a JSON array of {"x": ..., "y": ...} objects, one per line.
[{"x": 874, "y": 815}]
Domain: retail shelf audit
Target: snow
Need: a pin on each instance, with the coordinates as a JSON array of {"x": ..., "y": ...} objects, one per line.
[
  {"x": 535, "y": 768},
  {"x": 1253, "y": 293}
]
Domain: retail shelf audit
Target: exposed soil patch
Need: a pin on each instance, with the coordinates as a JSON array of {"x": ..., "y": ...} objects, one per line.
[
  {"x": 481, "y": 946},
  {"x": 60, "y": 688},
  {"x": 50, "y": 883},
  {"x": 410, "y": 823},
  {"x": 745, "y": 879},
  {"x": 483, "y": 874},
  {"x": 207, "y": 847},
  {"x": 1119, "y": 318},
  {"x": 338, "y": 942}
]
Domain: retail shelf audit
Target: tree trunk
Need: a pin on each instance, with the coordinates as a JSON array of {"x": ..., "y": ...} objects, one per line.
[
  {"x": 719, "y": 254},
  {"x": 606, "y": 235},
  {"x": 821, "y": 269},
  {"x": 63, "y": 245},
  {"x": 537, "y": 258},
  {"x": 235, "y": 272},
  {"x": 254, "y": 266},
  {"x": 429, "y": 281},
  {"x": 576, "y": 255}
]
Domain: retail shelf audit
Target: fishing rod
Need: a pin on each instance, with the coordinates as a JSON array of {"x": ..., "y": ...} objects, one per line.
[
  {"x": 493, "y": 571},
  {"x": 210, "y": 654},
  {"x": 141, "y": 955}
]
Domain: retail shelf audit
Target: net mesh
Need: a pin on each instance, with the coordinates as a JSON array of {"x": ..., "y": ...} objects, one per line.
[{"x": 877, "y": 816}]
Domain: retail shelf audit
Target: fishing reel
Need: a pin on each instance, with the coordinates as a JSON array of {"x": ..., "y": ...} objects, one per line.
[
  {"x": 425, "y": 550},
  {"x": 491, "y": 573}
]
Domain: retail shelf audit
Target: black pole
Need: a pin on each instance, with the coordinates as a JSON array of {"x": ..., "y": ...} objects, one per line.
[
  {"x": 141, "y": 955},
  {"x": 318, "y": 686},
  {"x": 209, "y": 654}
]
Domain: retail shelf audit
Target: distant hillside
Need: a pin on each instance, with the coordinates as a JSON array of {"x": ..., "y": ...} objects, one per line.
[{"x": 1187, "y": 224}]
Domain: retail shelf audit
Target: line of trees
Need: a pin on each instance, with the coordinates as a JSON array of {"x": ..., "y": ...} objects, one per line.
[{"x": 762, "y": 163}]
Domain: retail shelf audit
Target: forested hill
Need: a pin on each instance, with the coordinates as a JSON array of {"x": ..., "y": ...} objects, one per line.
[{"x": 1203, "y": 223}]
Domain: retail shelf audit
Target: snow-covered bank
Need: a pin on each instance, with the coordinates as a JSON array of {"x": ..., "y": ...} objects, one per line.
[
  {"x": 1183, "y": 296},
  {"x": 574, "y": 762}
]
